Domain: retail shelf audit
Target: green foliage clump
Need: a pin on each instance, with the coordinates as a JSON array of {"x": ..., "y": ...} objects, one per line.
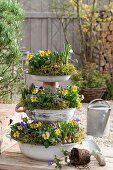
[
  {"x": 89, "y": 77},
  {"x": 38, "y": 133},
  {"x": 11, "y": 15},
  {"x": 108, "y": 95},
  {"x": 62, "y": 98},
  {"x": 49, "y": 70}
]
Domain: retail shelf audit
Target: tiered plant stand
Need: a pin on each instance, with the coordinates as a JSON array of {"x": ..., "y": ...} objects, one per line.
[{"x": 47, "y": 116}]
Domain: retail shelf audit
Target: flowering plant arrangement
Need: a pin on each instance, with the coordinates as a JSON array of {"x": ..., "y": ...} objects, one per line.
[
  {"x": 50, "y": 63},
  {"x": 46, "y": 134},
  {"x": 62, "y": 98}
]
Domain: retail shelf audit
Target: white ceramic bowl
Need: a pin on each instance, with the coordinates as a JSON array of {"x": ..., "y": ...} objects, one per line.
[
  {"x": 39, "y": 152},
  {"x": 51, "y": 115},
  {"x": 47, "y": 78}
]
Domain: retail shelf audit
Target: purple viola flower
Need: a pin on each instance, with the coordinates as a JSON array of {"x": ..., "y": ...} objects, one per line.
[
  {"x": 11, "y": 121},
  {"x": 41, "y": 87},
  {"x": 53, "y": 92},
  {"x": 29, "y": 53},
  {"x": 18, "y": 77},
  {"x": 55, "y": 101},
  {"x": 52, "y": 124},
  {"x": 59, "y": 57},
  {"x": 33, "y": 96},
  {"x": 49, "y": 163},
  {"x": 18, "y": 124},
  {"x": 31, "y": 88},
  {"x": 22, "y": 78},
  {"x": 23, "y": 125},
  {"x": 77, "y": 119},
  {"x": 37, "y": 51}
]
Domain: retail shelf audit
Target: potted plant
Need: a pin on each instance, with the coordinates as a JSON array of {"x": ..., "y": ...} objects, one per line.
[
  {"x": 43, "y": 104},
  {"x": 91, "y": 82},
  {"x": 49, "y": 66},
  {"x": 42, "y": 141}
]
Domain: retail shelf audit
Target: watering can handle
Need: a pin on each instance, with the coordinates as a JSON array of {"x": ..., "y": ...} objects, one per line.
[{"x": 98, "y": 100}]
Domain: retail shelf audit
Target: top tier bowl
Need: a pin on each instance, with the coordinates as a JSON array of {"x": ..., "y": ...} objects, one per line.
[{"x": 52, "y": 78}]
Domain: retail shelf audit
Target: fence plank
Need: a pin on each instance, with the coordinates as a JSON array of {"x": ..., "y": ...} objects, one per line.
[
  {"x": 36, "y": 5},
  {"x": 26, "y": 29},
  {"x": 36, "y": 35},
  {"x": 49, "y": 34},
  {"x": 44, "y": 34},
  {"x": 56, "y": 35},
  {"x": 25, "y": 4}
]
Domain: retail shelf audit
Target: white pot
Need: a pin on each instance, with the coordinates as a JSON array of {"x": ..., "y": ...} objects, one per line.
[
  {"x": 51, "y": 115},
  {"x": 39, "y": 152},
  {"x": 46, "y": 78}
]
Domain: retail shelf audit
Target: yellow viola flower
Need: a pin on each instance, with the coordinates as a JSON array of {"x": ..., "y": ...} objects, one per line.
[
  {"x": 60, "y": 123},
  {"x": 33, "y": 98},
  {"x": 16, "y": 134},
  {"x": 19, "y": 127},
  {"x": 47, "y": 52},
  {"x": 78, "y": 104},
  {"x": 35, "y": 91},
  {"x": 29, "y": 56},
  {"x": 42, "y": 92},
  {"x": 27, "y": 62},
  {"x": 45, "y": 135},
  {"x": 64, "y": 91},
  {"x": 39, "y": 124},
  {"x": 74, "y": 88},
  {"x": 32, "y": 125},
  {"x": 73, "y": 122},
  {"x": 42, "y": 53},
  {"x": 52, "y": 125},
  {"x": 57, "y": 131}
]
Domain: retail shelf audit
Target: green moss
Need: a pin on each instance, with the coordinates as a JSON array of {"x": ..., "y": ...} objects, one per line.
[
  {"x": 53, "y": 106},
  {"x": 49, "y": 70}
]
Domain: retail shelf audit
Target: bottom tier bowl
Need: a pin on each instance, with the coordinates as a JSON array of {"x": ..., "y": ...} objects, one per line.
[
  {"x": 51, "y": 115},
  {"x": 39, "y": 152}
]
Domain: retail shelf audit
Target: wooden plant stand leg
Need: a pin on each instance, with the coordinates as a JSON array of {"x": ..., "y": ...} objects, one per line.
[{"x": 51, "y": 85}]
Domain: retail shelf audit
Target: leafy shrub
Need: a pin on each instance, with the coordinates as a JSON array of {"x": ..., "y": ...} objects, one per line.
[
  {"x": 11, "y": 15},
  {"x": 108, "y": 95},
  {"x": 89, "y": 77}
]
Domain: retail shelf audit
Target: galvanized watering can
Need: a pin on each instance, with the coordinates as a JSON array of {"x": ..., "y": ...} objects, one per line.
[{"x": 98, "y": 121}]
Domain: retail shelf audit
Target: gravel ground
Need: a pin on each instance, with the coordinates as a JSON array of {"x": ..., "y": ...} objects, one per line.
[{"x": 102, "y": 141}]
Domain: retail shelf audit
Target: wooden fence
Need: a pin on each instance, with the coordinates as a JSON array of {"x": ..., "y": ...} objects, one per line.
[{"x": 41, "y": 30}]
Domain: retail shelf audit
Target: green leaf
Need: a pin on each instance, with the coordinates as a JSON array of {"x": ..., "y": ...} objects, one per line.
[
  {"x": 52, "y": 139},
  {"x": 46, "y": 144}
]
